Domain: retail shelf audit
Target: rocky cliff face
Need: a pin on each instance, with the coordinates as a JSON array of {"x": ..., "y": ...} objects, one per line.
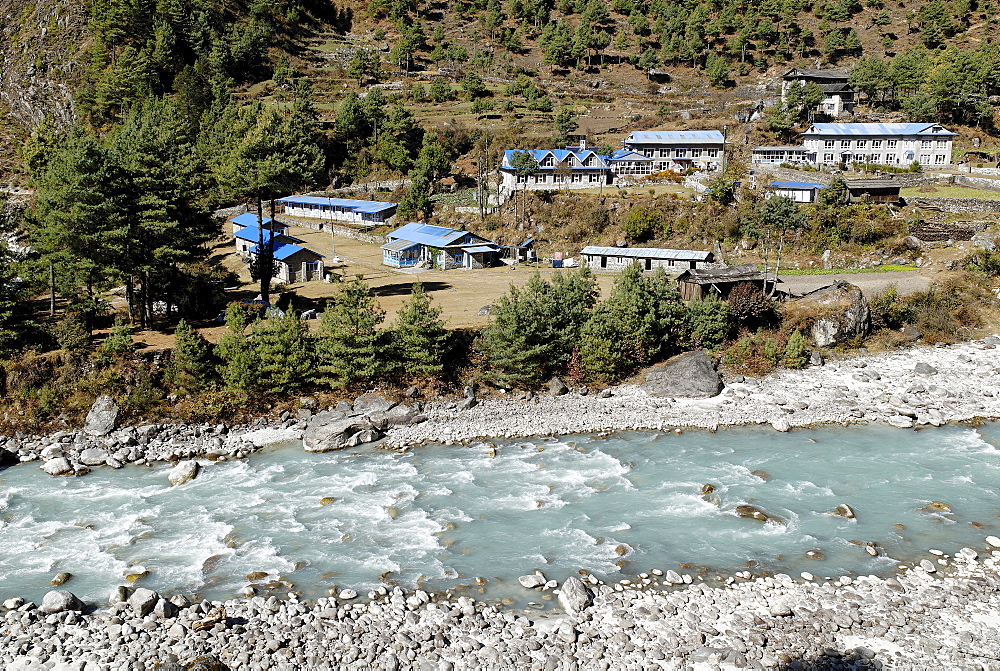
[{"x": 40, "y": 47}]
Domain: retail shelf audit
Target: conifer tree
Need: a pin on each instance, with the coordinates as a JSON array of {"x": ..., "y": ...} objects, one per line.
[
  {"x": 418, "y": 335},
  {"x": 349, "y": 344},
  {"x": 190, "y": 366},
  {"x": 240, "y": 364},
  {"x": 286, "y": 361}
]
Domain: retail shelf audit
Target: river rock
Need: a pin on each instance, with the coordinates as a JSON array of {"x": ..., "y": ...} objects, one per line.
[
  {"x": 143, "y": 601},
  {"x": 842, "y": 311},
  {"x": 574, "y": 596},
  {"x": 923, "y": 368},
  {"x": 61, "y": 579},
  {"x": 755, "y": 513},
  {"x": 182, "y": 472},
  {"x": 270, "y": 436},
  {"x": 102, "y": 418},
  {"x": 119, "y": 594},
  {"x": 993, "y": 541},
  {"x": 369, "y": 403},
  {"x": 844, "y": 510},
  {"x": 781, "y": 424},
  {"x": 94, "y": 456},
  {"x": 58, "y": 466},
  {"x": 687, "y": 375},
  {"x": 330, "y": 430},
  {"x": 532, "y": 580},
  {"x": 557, "y": 387},
  {"x": 900, "y": 422},
  {"x": 164, "y": 609},
  {"x": 60, "y": 600},
  {"x": 347, "y": 595}
]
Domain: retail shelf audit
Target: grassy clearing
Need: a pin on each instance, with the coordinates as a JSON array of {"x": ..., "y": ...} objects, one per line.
[{"x": 949, "y": 192}]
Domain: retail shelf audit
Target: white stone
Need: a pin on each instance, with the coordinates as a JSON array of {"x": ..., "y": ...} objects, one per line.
[{"x": 182, "y": 472}]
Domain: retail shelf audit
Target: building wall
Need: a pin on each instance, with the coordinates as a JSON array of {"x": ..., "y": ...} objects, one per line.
[
  {"x": 797, "y": 195},
  {"x": 881, "y": 149},
  {"x": 616, "y": 264},
  {"x": 549, "y": 180},
  {"x": 333, "y": 214},
  {"x": 706, "y": 156},
  {"x": 777, "y": 157}
]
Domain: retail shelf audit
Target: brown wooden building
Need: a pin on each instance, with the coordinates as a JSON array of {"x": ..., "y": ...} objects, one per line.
[
  {"x": 700, "y": 283},
  {"x": 872, "y": 191}
]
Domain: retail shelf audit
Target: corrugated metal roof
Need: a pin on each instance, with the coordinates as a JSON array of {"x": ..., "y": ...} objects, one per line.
[
  {"x": 647, "y": 253},
  {"x": 785, "y": 148},
  {"x": 252, "y": 234},
  {"x": 477, "y": 249},
  {"x": 399, "y": 245},
  {"x": 744, "y": 273},
  {"x": 628, "y": 155},
  {"x": 425, "y": 234},
  {"x": 282, "y": 252},
  {"x": 559, "y": 156},
  {"x": 795, "y": 73},
  {"x": 349, "y": 203},
  {"x": 249, "y": 219},
  {"x": 797, "y": 185},
  {"x": 674, "y": 136},
  {"x": 865, "y": 129}
]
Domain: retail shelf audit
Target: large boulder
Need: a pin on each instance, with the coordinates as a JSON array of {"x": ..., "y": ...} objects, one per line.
[
  {"x": 331, "y": 430},
  {"x": 368, "y": 403},
  {"x": 143, "y": 601},
  {"x": 574, "y": 596},
  {"x": 182, "y": 472},
  {"x": 94, "y": 456},
  {"x": 60, "y": 600},
  {"x": 689, "y": 375},
  {"x": 58, "y": 466},
  {"x": 838, "y": 312},
  {"x": 102, "y": 418}
]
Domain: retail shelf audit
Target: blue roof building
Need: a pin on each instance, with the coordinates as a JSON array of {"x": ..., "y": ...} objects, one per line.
[
  {"x": 347, "y": 210},
  {"x": 892, "y": 144},
  {"x": 294, "y": 263},
  {"x": 416, "y": 244},
  {"x": 249, "y": 236},
  {"x": 571, "y": 168},
  {"x": 800, "y": 192}
]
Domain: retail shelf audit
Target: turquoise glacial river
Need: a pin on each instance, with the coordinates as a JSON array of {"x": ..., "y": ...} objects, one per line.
[{"x": 439, "y": 517}]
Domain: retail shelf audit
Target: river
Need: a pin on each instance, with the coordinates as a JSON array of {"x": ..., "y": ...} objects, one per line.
[{"x": 439, "y": 516}]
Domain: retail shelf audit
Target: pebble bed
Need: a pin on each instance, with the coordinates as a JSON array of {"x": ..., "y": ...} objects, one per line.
[{"x": 944, "y": 614}]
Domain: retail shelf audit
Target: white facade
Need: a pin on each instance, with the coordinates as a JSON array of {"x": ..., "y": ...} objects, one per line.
[
  {"x": 778, "y": 155},
  {"x": 360, "y": 212},
  {"x": 839, "y": 96},
  {"x": 799, "y": 192},
  {"x": 557, "y": 169},
  {"x": 702, "y": 150},
  {"x": 893, "y": 144}
]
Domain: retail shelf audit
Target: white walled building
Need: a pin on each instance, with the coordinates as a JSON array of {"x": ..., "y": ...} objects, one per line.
[
  {"x": 347, "y": 210},
  {"x": 895, "y": 144},
  {"x": 835, "y": 84},
  {"x": 679, "y": 150},
  {"x": 799, "y": 192},
  {"x": 557, "y": 169}
]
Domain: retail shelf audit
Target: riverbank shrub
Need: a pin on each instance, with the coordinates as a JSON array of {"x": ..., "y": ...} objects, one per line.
[
  {"x": 709, "y": 322},
  {"x": 350, "y": 349},
  {"x": 418, "y": 336}
]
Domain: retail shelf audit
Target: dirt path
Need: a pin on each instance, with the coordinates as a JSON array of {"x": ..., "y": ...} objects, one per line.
[{"x": 907, "y": 282}]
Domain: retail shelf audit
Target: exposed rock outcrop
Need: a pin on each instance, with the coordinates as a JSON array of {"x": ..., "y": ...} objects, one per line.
[
  {"x": 842, "y": 312},
  {"x": 688, "y": 375}
]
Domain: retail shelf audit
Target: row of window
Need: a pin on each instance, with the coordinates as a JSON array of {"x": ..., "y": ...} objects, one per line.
[
  {"x": 592, "y": 178},
  {"x": 877, "y": 144},
  {"x": 680, "y": 152},
  {"x": 549, "y": 162},
  {"x": 888, "y": 159}
]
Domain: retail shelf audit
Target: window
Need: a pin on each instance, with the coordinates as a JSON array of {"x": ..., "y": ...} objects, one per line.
[
  {"x": 925, "y": 144},
  {"x": 876, "y": 158},
  {"x": 925, "y": 159},
  {"x": 941, "y": 144},
  {"x": 828, "y": 144},
  {"x": 891, "y": 144},
  {"x": 664, "y": 153},
  {"x": 577, "y": 178},
  {"x": 845, "y": 144},
  {"x": 862, "y": 144},
  {"x": 827, "y": 158},
  {"x": 696, "y": 153},
  {"x": 521, "y": 179},
  {"x": 559, "y": 179},
  {"x": 594, "y": 177},
  {"x": 680, "y": 153},
  {"x": 939, "y": 159},
  {"x": 547, "y": 162},
  {"x": 876, "y": 144},
  {"x": 713, "y": 153}
]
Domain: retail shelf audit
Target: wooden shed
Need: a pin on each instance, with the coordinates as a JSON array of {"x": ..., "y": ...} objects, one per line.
[
  {"x": 697, "y": 284},
  {"x": 872, "y": 190}
]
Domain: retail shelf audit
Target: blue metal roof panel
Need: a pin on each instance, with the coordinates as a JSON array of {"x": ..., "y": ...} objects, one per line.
[
  {"x": 425, "y": 234},
  {"x": 248, "y": 219},
  {"x": 674, "y": 136},
  {"x": 476, "y": 249},
  {"x": 251, "y": 234},
  {"x": 559, "y": 155},
  {"x": 399, "y": 245},
  {"x": 628, "y": 155},
  {"x": 647, "y": 253},
  {"x": 282, "y": 252},
  {"x": 864, "y": 129},
  {"x": 358, "y": 205}
]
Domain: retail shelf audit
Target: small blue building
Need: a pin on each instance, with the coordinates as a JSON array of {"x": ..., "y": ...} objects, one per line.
[
  {"x": 294, "y": 263},
  {"x": 246, "y": 219},
  {"x": 800, "y": 192},
  {"x": 415, "y": 244},
  {"x": 250, "y": 236}
]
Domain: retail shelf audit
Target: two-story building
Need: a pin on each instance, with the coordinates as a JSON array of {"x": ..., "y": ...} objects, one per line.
[
  {"x": 894, "y": 144},
  {"x": 835, "y": 84},
  {"x": 678, "y": 150},
  {"x": 579, "y": 168}
]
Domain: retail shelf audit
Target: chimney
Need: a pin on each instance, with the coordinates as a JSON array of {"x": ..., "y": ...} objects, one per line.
[{"x": 583, "y": 143}]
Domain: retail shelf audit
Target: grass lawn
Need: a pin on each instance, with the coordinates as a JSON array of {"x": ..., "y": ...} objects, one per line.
[
  {"x": 949, "y": 192},
  {"x": 888, "y": 268}
]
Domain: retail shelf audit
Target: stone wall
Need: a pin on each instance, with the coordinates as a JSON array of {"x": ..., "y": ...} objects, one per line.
[
  {"x": 955, "y": 204},
  {"x": 766, "y": 173},
  {"x": 978, "y": 182}
]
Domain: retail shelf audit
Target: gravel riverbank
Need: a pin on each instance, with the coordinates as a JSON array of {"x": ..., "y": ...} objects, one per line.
[{"x": 929, "y": 616}]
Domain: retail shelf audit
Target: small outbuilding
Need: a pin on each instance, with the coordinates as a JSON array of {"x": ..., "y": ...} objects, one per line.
[
  {"x": 250, "y": 236},
  {"x": 249, "y": 220},
  {"x": 295, "y": 264},
  {"x": 697, "y": 284},
  {"x": 800, "y": 192},
  {"x": 872, "y": 191},
  {"x": 616, "y": 259}
]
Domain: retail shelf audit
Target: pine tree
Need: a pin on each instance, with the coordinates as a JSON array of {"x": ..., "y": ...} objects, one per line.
[
  {"x": 285, "y": 353},
  {"x": 349, "y": 347},
  {"x": 190, "y": 365},
  {"x": 795, "y": 355},
  {"x": 119, "y": 340},
  {"x": 240, "y": 364},
  {"x": 419, "y": 336}
]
